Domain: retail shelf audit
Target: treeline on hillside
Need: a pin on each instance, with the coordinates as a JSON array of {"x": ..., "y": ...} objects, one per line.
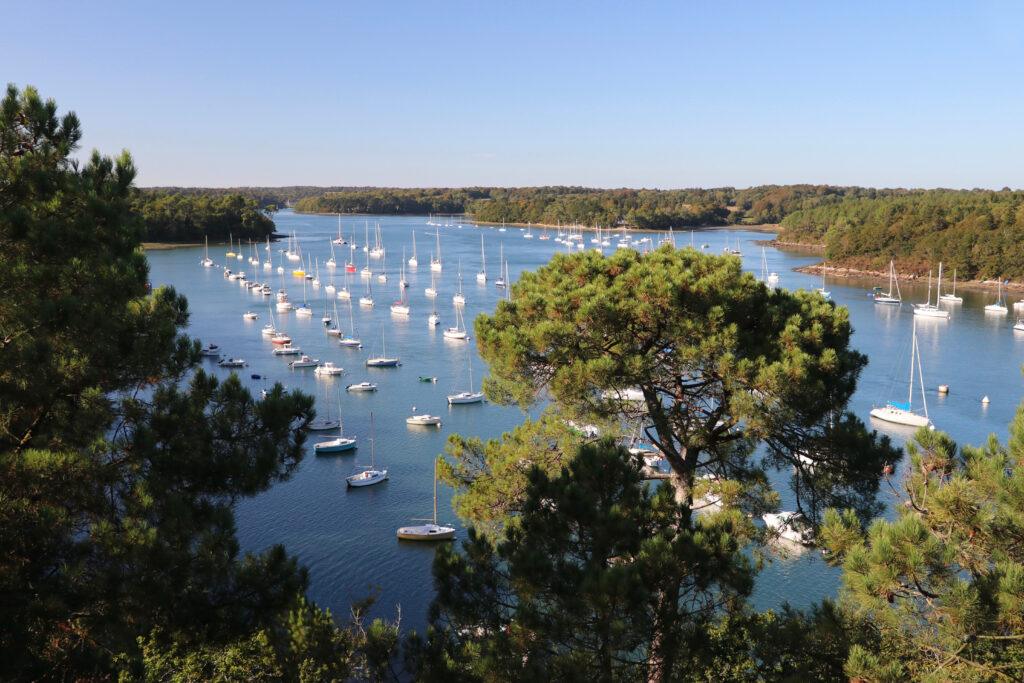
[
  {"x": 648, "y": 209},
  {"x": 177, "y": 217},
  {"x": 980, "y": 233},
  {"x": 271, "y": 198}
]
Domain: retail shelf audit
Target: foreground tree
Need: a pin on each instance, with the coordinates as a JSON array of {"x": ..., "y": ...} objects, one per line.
[
  {"x": 601, "y": 579},
  {"x": 119, "y": 461},
  {"x": 942, "y": 585},
  {"x": 706, "y": 363}
]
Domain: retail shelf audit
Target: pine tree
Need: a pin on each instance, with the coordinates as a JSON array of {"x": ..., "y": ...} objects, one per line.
[
  {"x": 119, "y": 459},
  {"x": 600, "y": 579},
  {"x": 941, "y": 587}
]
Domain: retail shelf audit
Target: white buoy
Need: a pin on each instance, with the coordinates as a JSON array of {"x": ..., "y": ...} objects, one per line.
[{"x": 985, "y": 400}]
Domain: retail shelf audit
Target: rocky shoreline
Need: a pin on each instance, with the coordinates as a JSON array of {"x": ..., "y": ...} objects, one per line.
[{"x": 878, "y": 277}]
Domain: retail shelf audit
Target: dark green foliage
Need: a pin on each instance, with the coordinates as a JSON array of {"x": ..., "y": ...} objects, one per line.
[
  {"x": 119, "y": 462},
  {"x": 172, "y": 217},
  {"x": 942, "y": 585},
  {"x": 600, "y": 579},
  {"x": 645, "y": 209},
  {"x": 723, "y": 363},
  {"x": 979, "y": 233}
]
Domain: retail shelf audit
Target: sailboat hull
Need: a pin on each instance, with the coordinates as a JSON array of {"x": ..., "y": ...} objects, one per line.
[
  {"x": 900, "y": 416},
  {"x": 339, "y": 445},
  {"x": 426, "y": 532}
]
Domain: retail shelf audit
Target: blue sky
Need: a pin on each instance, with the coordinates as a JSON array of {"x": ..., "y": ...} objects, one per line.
[{"x": 666, "y": 95}]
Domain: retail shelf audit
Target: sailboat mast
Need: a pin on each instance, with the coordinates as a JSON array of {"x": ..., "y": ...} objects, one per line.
[
  {"x": 913, "y": 356},
  {"x": 435, "y": 491}
]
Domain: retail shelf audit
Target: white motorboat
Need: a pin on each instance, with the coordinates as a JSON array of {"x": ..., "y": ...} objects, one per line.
[
  {"x": 211, "y": 350},
  {"x": 329, "y": 369},
  {"x": 424, "y": 420},
  {"x": 231, "y": 362},
  {"x": 304, "y": 362},
  {"x": 791, "y": 526},
  {"x": 249, "y": 315},
  {"x": 287, "y": 350},
  {"x": 362, "y": 386}
]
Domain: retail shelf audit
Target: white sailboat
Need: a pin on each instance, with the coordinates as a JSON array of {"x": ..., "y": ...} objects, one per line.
[
  {"x": 327, "y": 422},
  {"x": 482, "y": 275},
  {"x": 1000, "y": 305},
  {"x": 367, "y": 299},
  {"x": 351, "y": 340},
  {"x": 431, "y": 531},
  {"x": 459, "y": 298},
  {"x": 331, "y": 263},
  {"x": 500, "y": 282},
  {"x": 435, "y": 264},
  {"x": 370, "y": 475},
  {"x": 459, "y": 331},
  {"x": 431, "y": 291},
  {"x": 382, "y": 361},
  {"x": 207, "y": 262},
  {"x": 928, "y": 309},
  {"x": 888, "y": 298},
  {"x": 401, "y": 307},
  {"x": 378, "y": 247},
  {"x": 434, "y": 319},
  {"x": 950, "y": 298},
  {"x": 903, "y": 413},
  {"x": 338, "y": 445},
  {"x": 469, "y": 396},
  {"x": 827, "y": 295},
  {"x": 339, "y": 239}
]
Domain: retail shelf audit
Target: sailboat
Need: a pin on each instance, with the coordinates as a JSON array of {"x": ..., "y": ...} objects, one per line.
[
  {"x": 820, "y": 290},
  {"x": 412, "y": 259},
  {"x": 367, "y": 299},
  {"x": 382, "y": 361},
  {"x": 378, "y": 247},
  {"x": 500, "y": 282},
  {"x": 339, "y": 445},
  {"x": 928, "y": 309},
  {"x": 467, "y": 396},
  {"x": 371, "y": 475},
  {"x": 207, "y": 262},
  {"x": 304, "y": 310},
  {"x": 950, "y": 298},
  {"x": 1000, "y": 305},
  {"x": 327, "y": 422},
  {"x": 482, "y": 275},
  {"x": 434, "y": 318},
  {"x": 231, "y": 248},
  {"x": 401, "y": 307},
  {"x": 331, "y": 262},
  {"x": 267, "y": 265},
  {"x": 402, "y": 282},
  {"x": 351, "y": 340},
  {"x": 459, "y": 331},
  {"x": 435, "y": 264},
  {"x": 339, "y": 239},
  {"x": 431, "y": 291},
  {"x": 902, "y": 413},
  {"x": 334, "y": 330},
  {"x": 459, "y": 298},
  {"x": 345, "y": 292},
  {"x": 431, "y": 531},
  {"x": 888, "y": 298}
]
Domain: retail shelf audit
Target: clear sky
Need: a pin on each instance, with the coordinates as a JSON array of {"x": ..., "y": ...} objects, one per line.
[{"x": 627, "y": 94}]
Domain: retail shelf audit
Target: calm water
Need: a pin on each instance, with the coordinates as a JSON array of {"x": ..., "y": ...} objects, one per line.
[{"x": 347, "y": 537}]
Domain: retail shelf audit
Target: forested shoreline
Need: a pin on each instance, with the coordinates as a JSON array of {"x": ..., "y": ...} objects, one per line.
[{"x": 976, "y": 232}]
